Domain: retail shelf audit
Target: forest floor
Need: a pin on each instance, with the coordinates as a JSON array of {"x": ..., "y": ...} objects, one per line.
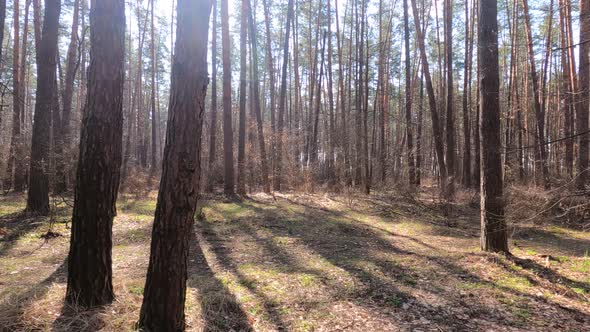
[{"x": 313, "y": 262}]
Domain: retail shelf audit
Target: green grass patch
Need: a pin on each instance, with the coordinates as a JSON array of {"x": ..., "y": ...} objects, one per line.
[
  {"x": 226, "y": 211},
  {"x": 136, "y": 290},
  {"x": 307, "y": 280},
  {"x": 514, "y": 282}
]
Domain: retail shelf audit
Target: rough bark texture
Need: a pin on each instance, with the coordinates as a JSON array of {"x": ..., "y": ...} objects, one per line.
[
  {"x": 493, "y": 233},
  {"x": 38, "y": 194},
  {"x": 582, "y": 109},
  {"x": 228, "y": 141},
  {"x": 165, "y": 287},
  {"x": 97, "y": 180}
]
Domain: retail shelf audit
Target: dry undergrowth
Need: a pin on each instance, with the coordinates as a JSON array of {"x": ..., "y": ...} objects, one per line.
[{"x": 316, "y": 262}]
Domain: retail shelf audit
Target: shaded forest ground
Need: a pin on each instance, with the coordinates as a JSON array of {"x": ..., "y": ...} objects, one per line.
[{"x": 315, "y": 262}]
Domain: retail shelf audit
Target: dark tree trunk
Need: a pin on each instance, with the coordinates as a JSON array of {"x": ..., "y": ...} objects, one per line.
[
  {"x": 282, "y": 100},
  {"x": 582, "y": 109},
  {"x": 256, "y": 98},
  {"x": 494, "y": 236},
  {"x": 38, "y": 194},
  {"x": 228, "y": 141},
  {"x": 165, "y": 287},
  {"x": 97, "y": 180}
]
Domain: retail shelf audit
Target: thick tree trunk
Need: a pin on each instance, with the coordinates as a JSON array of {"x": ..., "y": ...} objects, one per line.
[
  {"x": 165, "y": 287},
  {"x": 228, "y": 141},
  {"x": 38, "y": 194},
  {"x": 494, "y": 236},
  {"x": 97, "y": 180}
]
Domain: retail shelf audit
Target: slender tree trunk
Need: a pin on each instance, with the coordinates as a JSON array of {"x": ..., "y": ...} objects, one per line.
[
  {"x": 71, "y": 68},
  {"x": 419, "y": 134},
  {"x": 436, "y": 131},
  {"x": 314, "y": 139},
  {"x": 15, "y": 176},
  {"x": 213, "y": 125},
  {"x": 409, "y": 136},
  {"x": 568, "y": 91},
  {"x": 494, "y": 236},
  {"x": 270, "y": 66},
  {"x": 282, "y": 101},
  {"x": 97, "y": 181},
  {"x": 2, "y": 23},
  {"x": 38, "y": 194},
  {"x": 165, "y": 287},
  {"x": 344, "y": 125},
  {"x": 256, "y": 98},
  {"x": 154, "y": 160},
  {"x": 450, "y": 119},
  {"x": 332, "y": 127},
  {"x": 241, "y": 184},
  {"x": 539, "y": 112},
  {"x": 228, "y": 142},
  {"x": 466, "y": 92},
  {"x": 582, "y": 109}
]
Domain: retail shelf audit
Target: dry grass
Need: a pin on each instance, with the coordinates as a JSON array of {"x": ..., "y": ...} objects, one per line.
[{"x": 316, "y": 262}]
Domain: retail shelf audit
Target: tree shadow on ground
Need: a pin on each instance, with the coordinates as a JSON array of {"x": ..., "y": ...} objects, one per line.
[
  {"x": 16, "y": 225},
  {"x": 13, "y": 308},
  {"x": 344, "y": 242},
  {"x": 220, "y": 310},
  {"x": 553, "y": 242}
]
